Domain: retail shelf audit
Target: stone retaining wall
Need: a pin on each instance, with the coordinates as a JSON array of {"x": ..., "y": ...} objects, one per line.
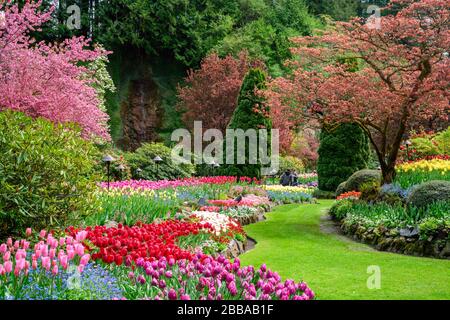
[{"x": 395, "y": 240}]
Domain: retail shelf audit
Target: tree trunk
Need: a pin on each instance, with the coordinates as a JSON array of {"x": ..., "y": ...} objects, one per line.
[{"x": 388, "y": 173}]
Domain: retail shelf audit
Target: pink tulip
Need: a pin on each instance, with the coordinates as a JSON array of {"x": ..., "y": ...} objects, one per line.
[
  {"x": 55, "y": 270},
  {"x": 26, "y": 245},
  {"x": 70, "y": 254},
  {"x": 69, "y": 240},
  {"x": 53, "y": 243},
  {"x": 45, "y": 263},
  {"x": 81, "y": 236},
  {"x": 3, "y": 248},
  {"x": 20, "y": 254},
  {"x": 52, "y": 253},
  {"x": 80, "y": 268},
  {"x": 42, "y": 233},
  {"x": 64, "y": 260},
  {"x": 7, "y": 256},
  {"x": 79, "y": 249},
  {"x": 85, "y": 259},
  {"x": 34, "y": 264},
  {"x": 62, "y": 241},
  {"x": 8, "y": 266},
  {"x": 9, "y": 242},
  {"x": 28, "y": 232}
]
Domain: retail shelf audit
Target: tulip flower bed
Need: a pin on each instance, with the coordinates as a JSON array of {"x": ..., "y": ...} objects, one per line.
[
  {"x": 290, "y": 194},
  {"x": 246, "y": 201},
  {"x": 187, "y": 182},
  {"x": 349, "y": 195},
  {"x": 207, "y": 278},
  {"x": 126, "y": 244},
  {"x": 129, "y": 206},
  {"x": 415, "y": 172},
  {"x": 45, "y": 266}
]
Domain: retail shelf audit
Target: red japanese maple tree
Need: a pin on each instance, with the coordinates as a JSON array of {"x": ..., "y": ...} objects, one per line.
[
  {"x": 383, "y": 76},
  {"x": 210, "y": 93},
  {"x": 47, "y": 80}
]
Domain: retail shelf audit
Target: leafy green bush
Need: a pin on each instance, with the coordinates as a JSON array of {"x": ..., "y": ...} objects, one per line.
[
  {"x": 429, "y": 192},
  {"x": 340, "y": 208},
  {"x": 143, "y": 157},
  {"x": 357, "y": 179},
  {"x": 370, "y": 191},
  {"x": 342, "y": 151},
  {"x": 320, "y": 194},
  {"x": 47, "y": 174},
  {"x": 290, "y": 162}
]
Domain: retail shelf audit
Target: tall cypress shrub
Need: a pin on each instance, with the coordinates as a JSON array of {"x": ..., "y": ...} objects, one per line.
[
  {"x": 342, "y": 151},
  {"x": 251, "y": 113}
]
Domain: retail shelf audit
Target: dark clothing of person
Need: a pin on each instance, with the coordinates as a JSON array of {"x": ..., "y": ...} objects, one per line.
[{"x": 286, "y": 179}]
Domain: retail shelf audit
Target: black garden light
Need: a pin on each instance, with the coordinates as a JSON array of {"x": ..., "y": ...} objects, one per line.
[
  {"x": 108, "y": 159},
  {"x": 407, "y": 143},
  {"x": 121, "y": 169},
  {"x": 157, "y": 161},
  {"x": 215, "y": 166},
  {"x": 138, "y": 172}
]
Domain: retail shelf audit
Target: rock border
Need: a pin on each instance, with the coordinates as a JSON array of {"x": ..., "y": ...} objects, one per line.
[{"x": 402, "y": 241}]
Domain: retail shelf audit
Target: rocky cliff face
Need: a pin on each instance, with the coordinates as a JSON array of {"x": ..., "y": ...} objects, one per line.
[
  {"x": 141, "y": 114},
  {"x": 142, "y": 109}
]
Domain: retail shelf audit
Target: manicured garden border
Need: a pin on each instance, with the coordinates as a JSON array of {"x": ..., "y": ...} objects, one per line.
[{"x": 398, "y": 240}]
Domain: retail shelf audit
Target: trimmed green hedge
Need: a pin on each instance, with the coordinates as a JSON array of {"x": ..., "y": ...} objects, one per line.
[{"x": 342, "y": 152}]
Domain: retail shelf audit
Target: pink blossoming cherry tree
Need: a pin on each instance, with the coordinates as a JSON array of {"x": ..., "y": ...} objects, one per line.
[{"x": 47, "y": 80}]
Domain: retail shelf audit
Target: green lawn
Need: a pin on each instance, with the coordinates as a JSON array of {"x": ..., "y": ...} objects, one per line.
[{"x": 291, "y": 242}]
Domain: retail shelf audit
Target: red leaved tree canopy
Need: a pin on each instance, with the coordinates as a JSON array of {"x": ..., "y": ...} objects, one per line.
[
  {"x": 210, "y": 93},
  {"x": 385, "y": 79},
  {"x": 47, "y": 80}
]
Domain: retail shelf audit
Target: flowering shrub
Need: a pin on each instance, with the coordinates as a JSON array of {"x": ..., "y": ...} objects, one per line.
[
  {"x": 349, "y": 195},
  {"x": 42, "y": 265},
  {"x": 208, "y": 278}
]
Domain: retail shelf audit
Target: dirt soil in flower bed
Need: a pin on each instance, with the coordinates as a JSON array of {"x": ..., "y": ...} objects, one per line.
[{"x": 391, "y": 240}]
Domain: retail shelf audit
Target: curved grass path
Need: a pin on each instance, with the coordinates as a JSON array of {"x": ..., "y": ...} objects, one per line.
[{"x": 292, "y": 243}]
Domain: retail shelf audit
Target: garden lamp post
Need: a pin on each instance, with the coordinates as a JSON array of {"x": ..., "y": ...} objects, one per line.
[
  {"x": 157, "y": 160},
  {"x": 407, "y": 143},
  {"x": 108, "y": 159},
  {"x": 121, "y": 169},
  {"x": 138, "y": 172},
  {"x": 215, "y": 166}
]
